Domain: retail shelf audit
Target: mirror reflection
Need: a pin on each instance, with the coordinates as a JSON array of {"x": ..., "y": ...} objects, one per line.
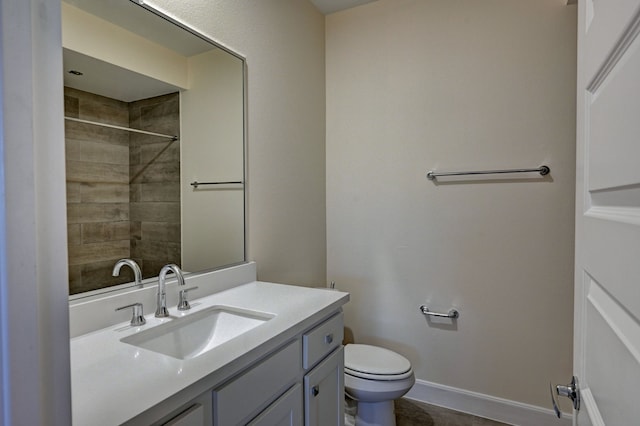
[{"x": 150, "y": 109}]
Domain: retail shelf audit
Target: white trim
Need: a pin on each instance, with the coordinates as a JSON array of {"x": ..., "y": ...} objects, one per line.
[
  {"x": 34, "y": 324},
  {"x": 487, "y": 406},
  {"x": 591, "y": 407}
]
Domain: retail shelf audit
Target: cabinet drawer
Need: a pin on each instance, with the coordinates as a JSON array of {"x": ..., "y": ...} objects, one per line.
[
  {"x": 256, "y": 388},
  {"x": 321, "y": 340}
]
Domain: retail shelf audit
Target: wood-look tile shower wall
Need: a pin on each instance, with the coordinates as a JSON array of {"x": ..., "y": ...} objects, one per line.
[{"x": 123, "y": 194}]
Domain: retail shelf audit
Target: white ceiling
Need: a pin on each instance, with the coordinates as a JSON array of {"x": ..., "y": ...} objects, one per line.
[{"x": 330, "y": 6}]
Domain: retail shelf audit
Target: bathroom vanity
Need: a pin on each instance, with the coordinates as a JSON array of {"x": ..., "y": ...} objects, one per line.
[
  {"x": 276, "y": 356},
  {"x": 246, "y": 352}
]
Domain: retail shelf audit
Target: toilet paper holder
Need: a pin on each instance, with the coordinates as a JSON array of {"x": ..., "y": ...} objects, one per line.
[{"x": 453, "y": 313}]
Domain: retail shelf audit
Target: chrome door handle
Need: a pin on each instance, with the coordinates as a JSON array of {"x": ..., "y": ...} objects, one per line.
[{"x": 571, "y": 391}]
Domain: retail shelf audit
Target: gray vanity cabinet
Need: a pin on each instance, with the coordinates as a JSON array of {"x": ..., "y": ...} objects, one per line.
[
  {"x": 192, "y": 416},
  {"x": 195, "y": 413},
  {"x": 310, "y": 369},
  {"x": 301, "y": 383},
  {"x": 253, "y": 391},
  {"x": 285, "y": 411},
  {"x": 323, "y": 360}
]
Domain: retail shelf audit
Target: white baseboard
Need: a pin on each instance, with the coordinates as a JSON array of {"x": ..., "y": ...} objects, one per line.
[{"x": 481, "y": 405}]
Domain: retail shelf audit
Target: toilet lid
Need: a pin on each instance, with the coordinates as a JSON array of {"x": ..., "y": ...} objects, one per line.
[{"x": 367, "y": 360}]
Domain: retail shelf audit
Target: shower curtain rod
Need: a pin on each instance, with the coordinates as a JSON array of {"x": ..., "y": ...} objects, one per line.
[{"x": 113, "y": 126}]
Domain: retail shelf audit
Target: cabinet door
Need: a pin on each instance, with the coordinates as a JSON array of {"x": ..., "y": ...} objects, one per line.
[
  {"x": 324, "y": 392},
  {"x": 192, "y": 416},
  {"x": 286, "y": 411},
  {"x": 198, "y": 412},
  {"x": 246, "y": 396}
]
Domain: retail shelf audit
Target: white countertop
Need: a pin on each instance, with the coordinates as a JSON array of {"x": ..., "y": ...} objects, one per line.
[{"x": 112, "y": 382}]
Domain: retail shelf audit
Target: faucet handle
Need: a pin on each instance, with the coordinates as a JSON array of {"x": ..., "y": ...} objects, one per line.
[
  {"x": 183, "y": 304},
  {"x": 138, "y": 315}
]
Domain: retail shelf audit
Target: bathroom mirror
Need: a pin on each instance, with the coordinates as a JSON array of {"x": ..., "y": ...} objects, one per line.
[{"x": 155, "y": 137}]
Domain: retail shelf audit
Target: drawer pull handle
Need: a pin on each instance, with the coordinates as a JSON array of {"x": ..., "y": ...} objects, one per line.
[
  {"x": 315, "y": 390},
  {"x": 328, "y": 339}
]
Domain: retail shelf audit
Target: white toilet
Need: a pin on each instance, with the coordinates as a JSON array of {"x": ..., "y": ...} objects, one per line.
[{"x": 374, "y": 377}]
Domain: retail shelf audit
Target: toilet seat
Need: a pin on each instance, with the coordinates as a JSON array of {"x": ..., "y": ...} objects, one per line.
[{"x": 375, "y": 363}]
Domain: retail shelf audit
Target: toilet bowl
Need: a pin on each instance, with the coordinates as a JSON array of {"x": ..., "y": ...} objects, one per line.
[{"x": 374, "y": 377}]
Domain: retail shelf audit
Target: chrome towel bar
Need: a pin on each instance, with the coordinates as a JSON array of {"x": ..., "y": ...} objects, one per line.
[
  {"x": 195, "y": 184},
  {"x": 543, "y": 170},
  {"x": 453, "y": 313}
]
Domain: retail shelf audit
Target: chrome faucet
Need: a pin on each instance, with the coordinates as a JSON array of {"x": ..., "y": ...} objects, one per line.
[
  {"x": 137, "y": 274},
  {"x": 161, "y": 310}
]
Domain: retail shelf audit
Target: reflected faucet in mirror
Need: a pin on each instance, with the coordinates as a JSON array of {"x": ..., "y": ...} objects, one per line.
[
  {"x": 137, "y": 273},
  {"x": 161, "y": 309}
]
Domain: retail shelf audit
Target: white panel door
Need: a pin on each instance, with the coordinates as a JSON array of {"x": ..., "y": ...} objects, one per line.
[{"x": 607, "y": 294}]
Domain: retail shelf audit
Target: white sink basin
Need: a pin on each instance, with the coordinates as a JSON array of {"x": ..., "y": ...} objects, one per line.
[{"x": 197, "y": 333}]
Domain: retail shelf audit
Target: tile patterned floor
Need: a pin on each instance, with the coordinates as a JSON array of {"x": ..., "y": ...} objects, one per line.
[{"x": 413, "y": 413}]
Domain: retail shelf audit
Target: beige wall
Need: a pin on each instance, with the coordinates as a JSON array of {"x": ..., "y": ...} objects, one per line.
[
  {"x": 414, "y": 85},
  {"x": 283, "y": 42}
]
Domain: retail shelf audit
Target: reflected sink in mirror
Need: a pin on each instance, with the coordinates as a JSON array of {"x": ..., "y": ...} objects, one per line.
[{"x": 198, "y": 333}]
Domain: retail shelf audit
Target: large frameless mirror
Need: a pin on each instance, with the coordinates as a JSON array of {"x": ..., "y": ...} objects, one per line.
[{"x": 155, "y": 136}]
